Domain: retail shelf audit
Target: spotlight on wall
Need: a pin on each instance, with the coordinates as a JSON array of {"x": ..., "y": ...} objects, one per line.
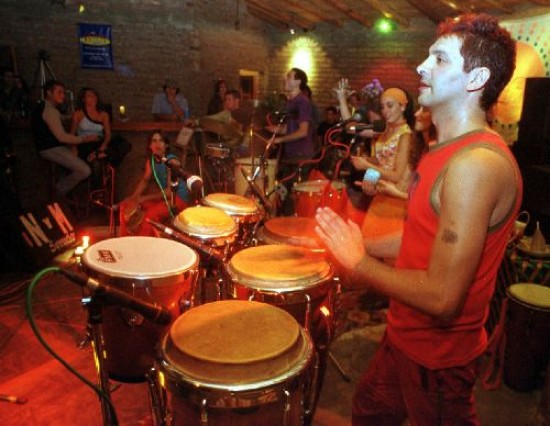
[{"x": 81, "y": 8}]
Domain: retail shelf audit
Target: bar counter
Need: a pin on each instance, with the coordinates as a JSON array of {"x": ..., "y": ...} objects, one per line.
[{"x": 145, "y": 126}]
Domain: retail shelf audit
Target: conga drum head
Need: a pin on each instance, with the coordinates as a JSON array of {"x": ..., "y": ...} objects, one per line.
[
  {"x": 534, "y": 295},
  {"x": 240, "y": 208},
  {"x": 294, "y": 231},
  {"x": 205, "y": 222},
  {"x": 221, "y": 332},
  {"x": 137, "y": 257},
  {"x": 278, "y": 268},
  {"x": 235, "y": 344}
]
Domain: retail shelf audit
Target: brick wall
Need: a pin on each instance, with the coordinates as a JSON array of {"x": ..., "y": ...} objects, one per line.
[
  {"x": 357, "y": 54},
  {"x": 195, "y": 42}
]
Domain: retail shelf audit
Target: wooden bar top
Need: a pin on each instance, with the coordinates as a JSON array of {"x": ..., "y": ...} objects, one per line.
[{"x": 145, "y": 126}]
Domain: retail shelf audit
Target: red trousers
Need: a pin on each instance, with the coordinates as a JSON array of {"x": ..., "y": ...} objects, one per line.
[
  {"x": 394, "y": 388},
  {"x": 154, "y": 210}
]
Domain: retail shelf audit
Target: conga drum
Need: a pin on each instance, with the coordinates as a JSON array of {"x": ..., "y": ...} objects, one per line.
[
  {"x": 243, "y": 211},
  {"x": 289, "y": 230},
  {"x": 312, "y": 194},
  {"x": 208, "y": 225},
  {"x": 233, "y": 363},
  {"x": 293, "y": 278},
  {"x": 527, "y": 336},
  {"x": 155, "y": 270}
]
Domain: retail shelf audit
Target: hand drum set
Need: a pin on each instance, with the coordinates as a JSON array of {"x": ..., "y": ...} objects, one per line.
[{"x": 253, "y": 349}]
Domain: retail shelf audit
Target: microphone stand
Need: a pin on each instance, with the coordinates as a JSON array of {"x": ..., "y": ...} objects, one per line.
[{"x": 95, "y": 332}]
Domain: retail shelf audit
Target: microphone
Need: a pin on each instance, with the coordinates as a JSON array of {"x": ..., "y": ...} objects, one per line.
[
  {"x": 355, "y": 117},
  {"x": 154, "y": 313},
  {"x": 284, "y": 112},
  {"x": 360, "y": 127},
  {"x": 208, "y": 251},
  {"x": 257, "y": 191},
  {"x": 377, "y": 126},
  {"x": 193, "y": 182}
]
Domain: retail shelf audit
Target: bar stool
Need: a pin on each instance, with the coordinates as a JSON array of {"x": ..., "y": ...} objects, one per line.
[
  {"x": 77, "y": 198},
  {"x": 104, "y": 197}
]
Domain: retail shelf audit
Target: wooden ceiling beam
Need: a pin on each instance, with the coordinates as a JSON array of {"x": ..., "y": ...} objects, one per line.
[
  {"x": 348, "y": 11},
  {"x": 495, "y": 4},
  {"x": 388, "y": 11},
  {"x": 262, "y": 16},
  {"x": 282, "y": 15},
  {"x": 427, "y": 8},
  {"x": 313, "y": 14}
]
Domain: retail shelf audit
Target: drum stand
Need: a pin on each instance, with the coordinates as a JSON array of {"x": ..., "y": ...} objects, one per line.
[{"x": 95, "y": 332}]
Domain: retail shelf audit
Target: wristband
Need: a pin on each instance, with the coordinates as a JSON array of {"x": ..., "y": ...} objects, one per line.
[
  {"x": 192, "y": 180},
  {"x": 372, "y": 176}
]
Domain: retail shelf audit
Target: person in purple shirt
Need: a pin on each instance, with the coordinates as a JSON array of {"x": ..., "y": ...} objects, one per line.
[{"x": 296, "y": 134}]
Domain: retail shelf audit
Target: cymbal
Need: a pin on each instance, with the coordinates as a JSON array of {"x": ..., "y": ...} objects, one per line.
[{"x": 228, "y": 131}]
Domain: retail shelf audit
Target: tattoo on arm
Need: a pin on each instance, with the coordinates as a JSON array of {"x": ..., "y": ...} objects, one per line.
[{"x": 449, "y": 236}]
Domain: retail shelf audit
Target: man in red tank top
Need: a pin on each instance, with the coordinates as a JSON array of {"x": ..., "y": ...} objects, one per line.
[{"x": 462, "y": 203}]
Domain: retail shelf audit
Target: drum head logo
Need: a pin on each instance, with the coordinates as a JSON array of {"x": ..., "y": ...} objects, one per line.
[{"x": 106, "y": 256}]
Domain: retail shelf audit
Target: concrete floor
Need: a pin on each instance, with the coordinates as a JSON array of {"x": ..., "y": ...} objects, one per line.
[{"x": 54, "y": 396}]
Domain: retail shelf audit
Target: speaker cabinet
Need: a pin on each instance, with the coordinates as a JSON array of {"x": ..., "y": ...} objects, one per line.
[{"x": 533, "y": 145}]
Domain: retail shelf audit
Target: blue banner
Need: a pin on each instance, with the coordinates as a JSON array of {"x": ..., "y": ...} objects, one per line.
[{"x": 95, "y": 46}]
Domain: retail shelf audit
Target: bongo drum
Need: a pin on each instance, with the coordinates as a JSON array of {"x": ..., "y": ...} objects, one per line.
[
  {"x": 156, "y": 270},
  {"x": 233, "y": 363},
  {"x": 294, "y": 231},
  {"x": 528, "y": 335},
  {"x": 295, "y": 279},
  {"x": 312, "y": 194},
  {"x": 211, "y": 226}
]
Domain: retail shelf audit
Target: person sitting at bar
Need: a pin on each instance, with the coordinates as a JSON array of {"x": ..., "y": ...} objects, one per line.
[
  {"x": 90, "y": 118},
  {"x": 51, "y": 139},
  {"x": 171, "y": 194},
  {"x": 170, "y": 105},
  {"x": 215, "y": 104}
]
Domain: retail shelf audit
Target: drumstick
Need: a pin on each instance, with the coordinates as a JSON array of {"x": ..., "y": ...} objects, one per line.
[{"x": 13, "y": 398}]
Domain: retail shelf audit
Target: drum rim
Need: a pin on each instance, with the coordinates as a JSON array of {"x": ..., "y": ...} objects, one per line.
[
  {"x": 232, "y": 228},
  {"x": 306, "y": 354},
  {"x": 227, "y": 208},
  {"x": 299, "y": 282},
  {"x": 334, "y": 185},
  {"x": 99, "y": 268}
]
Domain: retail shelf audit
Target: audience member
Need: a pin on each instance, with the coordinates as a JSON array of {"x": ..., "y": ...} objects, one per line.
[
  {"x": 356, "y": 106},
  {"x": 424, "y": 136},
  {"x": 296, "y": 135},
  {"x": 331, "y": 119},
  {"x": 51, "y": 139},
  {"x": 461, "y": 210},
  {"x": 171, "y": 105},
  {"x": 386, "y": 214},
  {"x": 171, "y": 194},
  {"x": 215, "y": 104}
]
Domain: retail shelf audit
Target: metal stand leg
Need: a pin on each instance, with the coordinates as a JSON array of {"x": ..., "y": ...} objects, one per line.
[
  {"x": 95, "y": 330},
  {"x": 342, "y": 372}
]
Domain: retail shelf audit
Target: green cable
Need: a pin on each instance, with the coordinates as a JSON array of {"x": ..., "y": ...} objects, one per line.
[
  {"x": 30, "y": 316},
  {"x": 160, "y": 186}
]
